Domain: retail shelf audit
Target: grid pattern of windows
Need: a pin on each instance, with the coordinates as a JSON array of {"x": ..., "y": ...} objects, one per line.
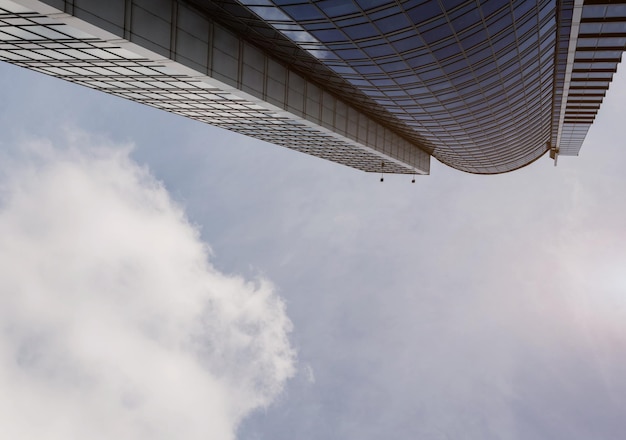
[
  {"x": 474, "y": 80},
  {"x": 485, "y": 86},
  {"x": 599, "y": 46},
  {"x": 300, "y": 116},
  {"x": 236, "y": 17}
]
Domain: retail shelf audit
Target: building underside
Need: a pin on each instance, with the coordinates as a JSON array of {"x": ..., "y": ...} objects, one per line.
[{"x": 483, "y": 86}]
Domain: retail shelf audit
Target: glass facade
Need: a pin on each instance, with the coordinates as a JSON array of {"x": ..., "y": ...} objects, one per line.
[
  {"x": 178, "y": 60},
  {"x": 594, "y": 56},
  {"x": 483, "y": 86},
  {"x": 480, "y": 83},
  {"x": 475, "y": 82}
]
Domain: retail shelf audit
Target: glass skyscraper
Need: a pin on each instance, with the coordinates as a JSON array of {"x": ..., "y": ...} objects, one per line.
[{"x": 483, "y": 86}]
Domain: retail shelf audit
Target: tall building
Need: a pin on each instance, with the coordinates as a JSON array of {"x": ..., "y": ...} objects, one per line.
[{"x": 483, "y": 86}]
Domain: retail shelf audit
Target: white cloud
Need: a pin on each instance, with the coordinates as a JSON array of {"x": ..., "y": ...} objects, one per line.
[{"x": 112, "y": 322}]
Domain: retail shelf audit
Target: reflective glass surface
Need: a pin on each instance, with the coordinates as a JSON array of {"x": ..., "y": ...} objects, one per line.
[
  {"x": 599, "y": 46},
  {"x": 318, "y": 123},
  {"x": 485, "y": 86},
  {"x": 480, "y": 82}
]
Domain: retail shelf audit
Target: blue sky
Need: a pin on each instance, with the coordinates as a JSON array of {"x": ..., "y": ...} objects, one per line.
[{"x": 330, "y": 306}]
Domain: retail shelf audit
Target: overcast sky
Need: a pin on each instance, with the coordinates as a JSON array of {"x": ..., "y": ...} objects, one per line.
[{"x": 162, "y": 278}]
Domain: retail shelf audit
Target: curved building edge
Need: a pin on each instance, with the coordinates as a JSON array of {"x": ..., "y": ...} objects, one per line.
[{"x": 484, "y": 90}]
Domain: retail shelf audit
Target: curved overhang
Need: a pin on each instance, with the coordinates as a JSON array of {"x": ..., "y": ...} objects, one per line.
[
  {"x": 484, "y": 87},
  {"x": 475, "y": 84}
]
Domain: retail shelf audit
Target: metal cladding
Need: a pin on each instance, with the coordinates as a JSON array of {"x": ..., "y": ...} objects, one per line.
[{"x": 483, "y": 86}]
